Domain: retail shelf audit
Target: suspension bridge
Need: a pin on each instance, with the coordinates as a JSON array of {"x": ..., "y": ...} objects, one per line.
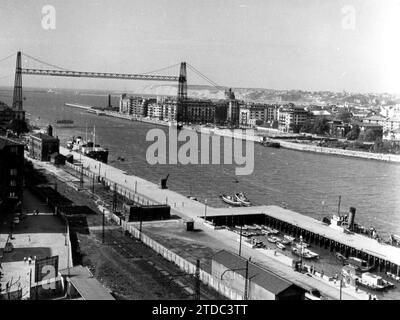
[{"x": 48, "y": 69}]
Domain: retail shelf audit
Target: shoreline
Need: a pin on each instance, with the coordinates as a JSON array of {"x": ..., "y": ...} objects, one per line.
[{"x": 392, "y": 158}]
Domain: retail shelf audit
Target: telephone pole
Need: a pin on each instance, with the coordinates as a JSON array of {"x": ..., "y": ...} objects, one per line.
[{"x": 197, "y": 281}]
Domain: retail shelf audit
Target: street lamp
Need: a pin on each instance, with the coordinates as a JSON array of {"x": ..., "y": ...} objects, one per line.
[
  {"x": 301, "y": 252},
  {"x": 245, "y": 295}
]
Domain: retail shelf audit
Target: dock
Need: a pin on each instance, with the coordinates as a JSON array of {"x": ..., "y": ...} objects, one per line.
[{"x": 383, "y": 256}]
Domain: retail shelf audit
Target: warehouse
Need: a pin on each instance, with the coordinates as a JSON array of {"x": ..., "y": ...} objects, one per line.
[{"x": 262, "y": 284}]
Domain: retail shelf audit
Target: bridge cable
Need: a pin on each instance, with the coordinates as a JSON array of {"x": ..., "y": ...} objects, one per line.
[
  {"x": 7, "y": 57},
  {"x": 205, "y": 77},
  {"x": 45, "y": 63},
  {"x": 162, "y": 69}
]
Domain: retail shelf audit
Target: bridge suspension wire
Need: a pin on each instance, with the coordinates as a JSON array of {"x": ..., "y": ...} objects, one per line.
[
  {"x": 42, "y": 62},
  {"x": 8, "y": 57},
  {"x": 205, "y": 77},
  {"x": 162, "y": 69}
]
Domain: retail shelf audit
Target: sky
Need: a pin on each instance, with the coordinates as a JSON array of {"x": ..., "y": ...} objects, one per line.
[{"x": 313, "y": 45}]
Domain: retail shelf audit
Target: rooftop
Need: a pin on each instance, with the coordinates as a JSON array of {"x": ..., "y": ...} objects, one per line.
[
  {"x": 43, "y": 136},
  {"x": 263, "y": 277}
]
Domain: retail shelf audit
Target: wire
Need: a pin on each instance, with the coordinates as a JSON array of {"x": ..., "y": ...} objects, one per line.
[
  {"x": 45, "y": 63},
  {"x": 11, "y": 55},
  {"x": 204, "y": 77},
  {"x": 162, "y": 69}
]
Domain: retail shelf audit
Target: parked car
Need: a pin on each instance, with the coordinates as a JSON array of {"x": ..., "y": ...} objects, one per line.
[{"x": 16, "y": 220}]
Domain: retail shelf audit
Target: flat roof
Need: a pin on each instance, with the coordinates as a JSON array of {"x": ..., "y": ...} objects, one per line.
[
  {"x": 91, "y": 289},
  {"x": 357, "y": 241}
]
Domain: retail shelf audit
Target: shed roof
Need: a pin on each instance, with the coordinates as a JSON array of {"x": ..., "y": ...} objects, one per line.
[{"x": 263, "y": 277}]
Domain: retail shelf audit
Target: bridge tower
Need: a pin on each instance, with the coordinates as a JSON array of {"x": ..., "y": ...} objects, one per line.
[
  {"x": 19, "y": 113},
  {"x": 181, "y": 114}
]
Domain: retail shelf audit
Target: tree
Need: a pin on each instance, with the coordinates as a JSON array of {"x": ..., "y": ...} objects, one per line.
[
  {"x": 307, "y": 127},
  {"x": 321, "y": 126},
  {"x": 354, "y": 133},
  {"x": 369, "y": 135}
]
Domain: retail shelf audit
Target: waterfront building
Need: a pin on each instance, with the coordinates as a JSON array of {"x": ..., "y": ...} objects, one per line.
[
  {"x": 136, "y": 106},
  {"x": 233, "y": 108},
  {"x": 169, "y": 107},
  {"x": 338, "y": 128},
  {"x": 42, "y": 146},
  {"x": 155, "y": 110},
  {"x": 11, "y": 173},
  {"x": 390, "y": 128},
  {"x": 231, "y": 268},
  {"x": 291, "y": 118}
]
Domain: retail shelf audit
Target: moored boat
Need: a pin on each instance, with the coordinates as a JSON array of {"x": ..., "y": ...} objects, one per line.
[
  {"x": 373, "y": 282},
  {"x": 359, "y": 264},
  {"x": 231, "y": 200},
  {"x": 242, "y": 198},
  {"x": 280, "y": 245},
  {"x": 305, "y": 253}
]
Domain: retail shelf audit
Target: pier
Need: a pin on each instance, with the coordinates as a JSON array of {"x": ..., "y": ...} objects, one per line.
[{"x": 383, "y": 256}]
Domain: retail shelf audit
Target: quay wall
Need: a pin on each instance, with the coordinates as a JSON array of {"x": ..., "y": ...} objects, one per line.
[
  {"x": 255, "y": 138},
  {"x": 340, "y": 152}
]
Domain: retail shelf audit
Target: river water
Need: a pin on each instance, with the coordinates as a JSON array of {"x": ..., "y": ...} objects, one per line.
[{"x": 308, "y": 183}]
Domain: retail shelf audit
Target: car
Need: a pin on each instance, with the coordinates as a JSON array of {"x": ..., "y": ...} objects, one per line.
[{"x": 16, "y": 220}]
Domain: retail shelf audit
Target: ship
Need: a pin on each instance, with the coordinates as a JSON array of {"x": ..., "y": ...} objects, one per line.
[
  {"x": 64, "y": 123},
  {"x": 89, "y": 148}
]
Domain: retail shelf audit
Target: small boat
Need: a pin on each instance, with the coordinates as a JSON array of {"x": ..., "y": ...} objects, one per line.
[
  {"x": 289, "y": 238},
  {"x": 285, "y": 241},
  {"x": 393, "y": 276},
  {"x": 280, "y": 245},
  {"x": 305, "y": 253},
  {"x": 270, "y": 230},
  {"x": 231, "y": 200},
  {"x": 242, "y": 198},
  {"x": 301, "y": 244},
  {"x": 359, "y": 264},
  {"x": 273, "y": 239},
  {"x": 340, "y": 257}
]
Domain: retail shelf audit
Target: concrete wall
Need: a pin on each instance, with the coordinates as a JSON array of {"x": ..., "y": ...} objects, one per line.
[{"x": 340, "y": 152}]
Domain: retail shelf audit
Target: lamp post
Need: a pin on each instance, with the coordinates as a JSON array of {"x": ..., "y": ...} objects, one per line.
[
  {"x": 246, "y": 280},
  {"x": 301, "y": 252}
]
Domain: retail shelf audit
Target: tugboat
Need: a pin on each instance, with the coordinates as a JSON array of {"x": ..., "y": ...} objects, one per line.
[
  {"x": 242, "y": 198},
  {"x": 231, "y": 200},
  {"x": 373, "y": 282}
]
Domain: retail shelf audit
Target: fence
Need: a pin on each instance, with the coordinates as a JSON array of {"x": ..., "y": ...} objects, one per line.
[{"x": 182, "y": 263}]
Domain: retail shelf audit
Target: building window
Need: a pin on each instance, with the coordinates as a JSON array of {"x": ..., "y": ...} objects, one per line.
[
  {"x": 13, "y": 183},
  {"x": 13, "y": 172},
  {"x": 12, "y": 195}
]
